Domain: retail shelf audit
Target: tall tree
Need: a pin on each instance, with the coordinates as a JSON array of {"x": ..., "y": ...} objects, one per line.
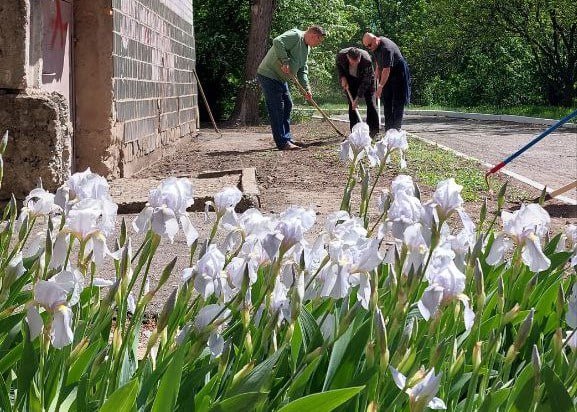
[
  {"x": 220, "y": 51},
  {"x": 550, "y": 29},
  {"x": 246, "y": 105}
]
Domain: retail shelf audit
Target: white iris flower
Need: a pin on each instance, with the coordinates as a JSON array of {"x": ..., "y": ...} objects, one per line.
[
  {"x": 394, "y": 140},
  {"x": 403, "y": 183},
  {"x": 351, "y": 265},
  {"x": 80, "y": 186},
  {"x": 357, "y": 144},
  {"x": 404, "y": 211},
  {"x": 224, "y": 202},
  {"x": 212, "y": 318},
  {"x": 166, "y": 208},
  {"x": 447, "y": 198},
  {"x": 423, "y": 393},
  {"x": 210, "y": 275},
  {"x": 39, "y": 202},
  {"x": 524, "y": 227},
  {"x": 446, "y": 283},
  {"x": 56, "y": 295},
  {"x": 90, "y": 221}
]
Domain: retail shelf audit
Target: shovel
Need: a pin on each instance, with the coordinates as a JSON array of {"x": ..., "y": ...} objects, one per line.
[{"x": 356, "y": 109}]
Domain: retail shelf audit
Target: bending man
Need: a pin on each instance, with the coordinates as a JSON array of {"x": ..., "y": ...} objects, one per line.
[
  {"x": 356, "y": 75},
  {"x": 289, "y": 54},
  {"x": 393, "y": 78}
]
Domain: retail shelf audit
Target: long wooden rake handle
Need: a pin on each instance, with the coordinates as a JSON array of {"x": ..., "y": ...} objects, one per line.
[
  {"x": 315, "y": 105},
  {"x": 206, "y": 102},
  {"x": 356, "y": 108},
  {"x": 561, "y": 190}
]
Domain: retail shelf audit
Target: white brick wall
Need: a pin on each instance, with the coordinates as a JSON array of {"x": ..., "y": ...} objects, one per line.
[{"x": 155, "y": 93}]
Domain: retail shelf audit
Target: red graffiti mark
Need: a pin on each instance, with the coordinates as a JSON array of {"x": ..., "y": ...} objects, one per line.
[{"x": 59, "y": 27}]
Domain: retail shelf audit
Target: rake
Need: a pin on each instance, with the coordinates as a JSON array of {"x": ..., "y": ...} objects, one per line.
[
  {"x": 356, "y": 108},
  {"x": 315, "y": 105}
]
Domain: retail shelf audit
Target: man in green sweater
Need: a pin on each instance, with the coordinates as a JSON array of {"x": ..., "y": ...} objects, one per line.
[{"x": 288, "y": 54}]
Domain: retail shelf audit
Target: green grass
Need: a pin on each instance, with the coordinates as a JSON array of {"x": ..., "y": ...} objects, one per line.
[{"x": 428, "y": 166}]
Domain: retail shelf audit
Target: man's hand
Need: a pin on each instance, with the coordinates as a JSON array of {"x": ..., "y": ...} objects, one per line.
[
  {"x": 355, "y": 104},
  {"x": 379, "y": 91},
  {"x": 344, "y": 83},
  {"x": 308, "y": 96},
  {"x": 285, "y": 68}
]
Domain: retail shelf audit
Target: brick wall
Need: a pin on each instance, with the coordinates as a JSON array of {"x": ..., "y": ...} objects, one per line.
[{"x": 155, "y": 95}]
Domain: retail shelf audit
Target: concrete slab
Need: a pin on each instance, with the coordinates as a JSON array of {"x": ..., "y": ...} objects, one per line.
[{"x": 131, "y": 194}]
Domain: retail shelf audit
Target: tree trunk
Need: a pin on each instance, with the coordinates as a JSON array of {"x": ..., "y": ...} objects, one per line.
[
  {"x": 559, "y": 88},
  {"x": 246, "y": 107}
]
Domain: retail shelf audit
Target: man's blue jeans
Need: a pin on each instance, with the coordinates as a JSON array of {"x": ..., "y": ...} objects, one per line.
[{"x": 279, "y": 106}]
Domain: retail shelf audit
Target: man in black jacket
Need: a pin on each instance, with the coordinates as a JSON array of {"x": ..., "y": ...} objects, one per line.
[{"x": 356, "y": 75}]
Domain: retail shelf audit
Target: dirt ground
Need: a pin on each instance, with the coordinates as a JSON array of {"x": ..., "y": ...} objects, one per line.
[{"x": 312, "y": 177}]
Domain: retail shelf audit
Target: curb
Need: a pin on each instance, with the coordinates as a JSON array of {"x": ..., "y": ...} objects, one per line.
[
  {"x": 482, "y": 117},
  {"x": 247, "y": 185},
  {"x": 488, "y": 117}
]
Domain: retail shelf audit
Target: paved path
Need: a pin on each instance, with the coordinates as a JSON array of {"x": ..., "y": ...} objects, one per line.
[{"x": 552, "y": 162}]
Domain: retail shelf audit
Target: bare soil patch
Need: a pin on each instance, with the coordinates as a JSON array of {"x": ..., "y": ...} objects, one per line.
[{"x": 311, "y": 177}]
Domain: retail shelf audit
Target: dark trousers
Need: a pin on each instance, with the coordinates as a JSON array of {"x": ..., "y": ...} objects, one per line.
[
  {"x": 369, "y": 96},
  {"x": 279, "y": 106},
  {"x": 396, "y": 95}
]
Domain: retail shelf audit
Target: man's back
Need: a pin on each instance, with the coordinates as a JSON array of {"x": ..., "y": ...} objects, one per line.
[{"x": 387, "y": 53}]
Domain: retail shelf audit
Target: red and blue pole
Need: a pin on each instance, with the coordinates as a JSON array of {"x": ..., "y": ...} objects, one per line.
[{"x": 532, "y": 142}]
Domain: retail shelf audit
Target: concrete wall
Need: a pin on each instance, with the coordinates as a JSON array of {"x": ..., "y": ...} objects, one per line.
[
  {"x": 38, "y": 142},
  {"x": 14, "y": 27},
  {"x": 95, "y": 145},
  {"x": 155, "y": 95},
  {"x": 20, "y": 44},
  {"x": 38, "y": 122},
  {"x": 133, "y": 89}
]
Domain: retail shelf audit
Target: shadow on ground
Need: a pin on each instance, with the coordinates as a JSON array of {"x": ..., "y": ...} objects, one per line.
[{"x": 562, "y": 211}]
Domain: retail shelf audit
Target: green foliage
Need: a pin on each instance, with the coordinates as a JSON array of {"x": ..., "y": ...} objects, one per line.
[
  {"x": 549, "y": 31},
  {"x": 221, "y": 32},
  {"x": 123, "y": 399},
  {"x": 428, "y": 166},
  {"x": 299, "y": 115},
  {"x": 461, "y": 53},
  {"x": 322, "y": 402},
  {"x": 334, "y": 16},
  {"x": 270, "y": 321}
]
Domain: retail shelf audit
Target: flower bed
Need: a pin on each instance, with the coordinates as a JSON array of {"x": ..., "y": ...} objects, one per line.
[{"x": 419, "y": 308}]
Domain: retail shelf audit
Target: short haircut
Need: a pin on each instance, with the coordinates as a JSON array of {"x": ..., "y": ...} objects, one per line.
[
  {"x": 353, "y": 53},
  {"x": 316, "y": 29}
]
